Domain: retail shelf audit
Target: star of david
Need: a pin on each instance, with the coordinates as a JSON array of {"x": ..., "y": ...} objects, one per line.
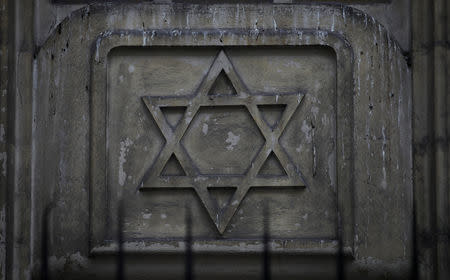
[{"x": 190, "y": 177}]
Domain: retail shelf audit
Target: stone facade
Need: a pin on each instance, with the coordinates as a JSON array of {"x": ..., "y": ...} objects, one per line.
[{"x": 316, "y": 132}]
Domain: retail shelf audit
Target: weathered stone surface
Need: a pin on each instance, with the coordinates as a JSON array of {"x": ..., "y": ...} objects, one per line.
[
  {"x": 431, "y": 61},
  {"x": 349, "y": 139},
  {"x": 393, "y": 15},
  {"x": 223, "y": 109},
  {"x": 3, "y": 128}
]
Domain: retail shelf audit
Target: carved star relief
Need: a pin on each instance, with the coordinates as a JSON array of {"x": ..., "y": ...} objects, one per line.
[{"x": 173, "y": 149}]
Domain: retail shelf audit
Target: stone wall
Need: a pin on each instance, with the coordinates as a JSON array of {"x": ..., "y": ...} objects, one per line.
[{"x": 307, "y": 122}]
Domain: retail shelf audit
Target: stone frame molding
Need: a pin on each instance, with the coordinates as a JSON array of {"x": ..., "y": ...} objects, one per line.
[{"x": 109, "y": 40}]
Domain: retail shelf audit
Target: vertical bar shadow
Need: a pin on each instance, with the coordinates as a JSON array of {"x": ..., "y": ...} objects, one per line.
[
  {"x": 266, "y": 241},
  {"x": 45, "y": 272},
  {"x": 120, "y": 273},
  {"x": 188, "y": 265}
]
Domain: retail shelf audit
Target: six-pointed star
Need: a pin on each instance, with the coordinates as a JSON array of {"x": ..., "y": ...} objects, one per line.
[{"x": 173, "y": 134}]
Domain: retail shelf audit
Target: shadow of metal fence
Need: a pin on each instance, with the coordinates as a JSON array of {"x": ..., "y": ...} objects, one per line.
[{"x": 189, "y": 257}]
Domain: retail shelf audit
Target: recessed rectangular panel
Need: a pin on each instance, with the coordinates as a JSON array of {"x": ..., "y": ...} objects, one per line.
[{"x": 226, "y": 133}]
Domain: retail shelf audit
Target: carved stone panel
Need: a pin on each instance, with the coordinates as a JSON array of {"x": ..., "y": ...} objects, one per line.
[
  {"x": 297, "y": 115},
  {"x": 227, "y": 133},
  {"x": 205, "y": 129}
]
